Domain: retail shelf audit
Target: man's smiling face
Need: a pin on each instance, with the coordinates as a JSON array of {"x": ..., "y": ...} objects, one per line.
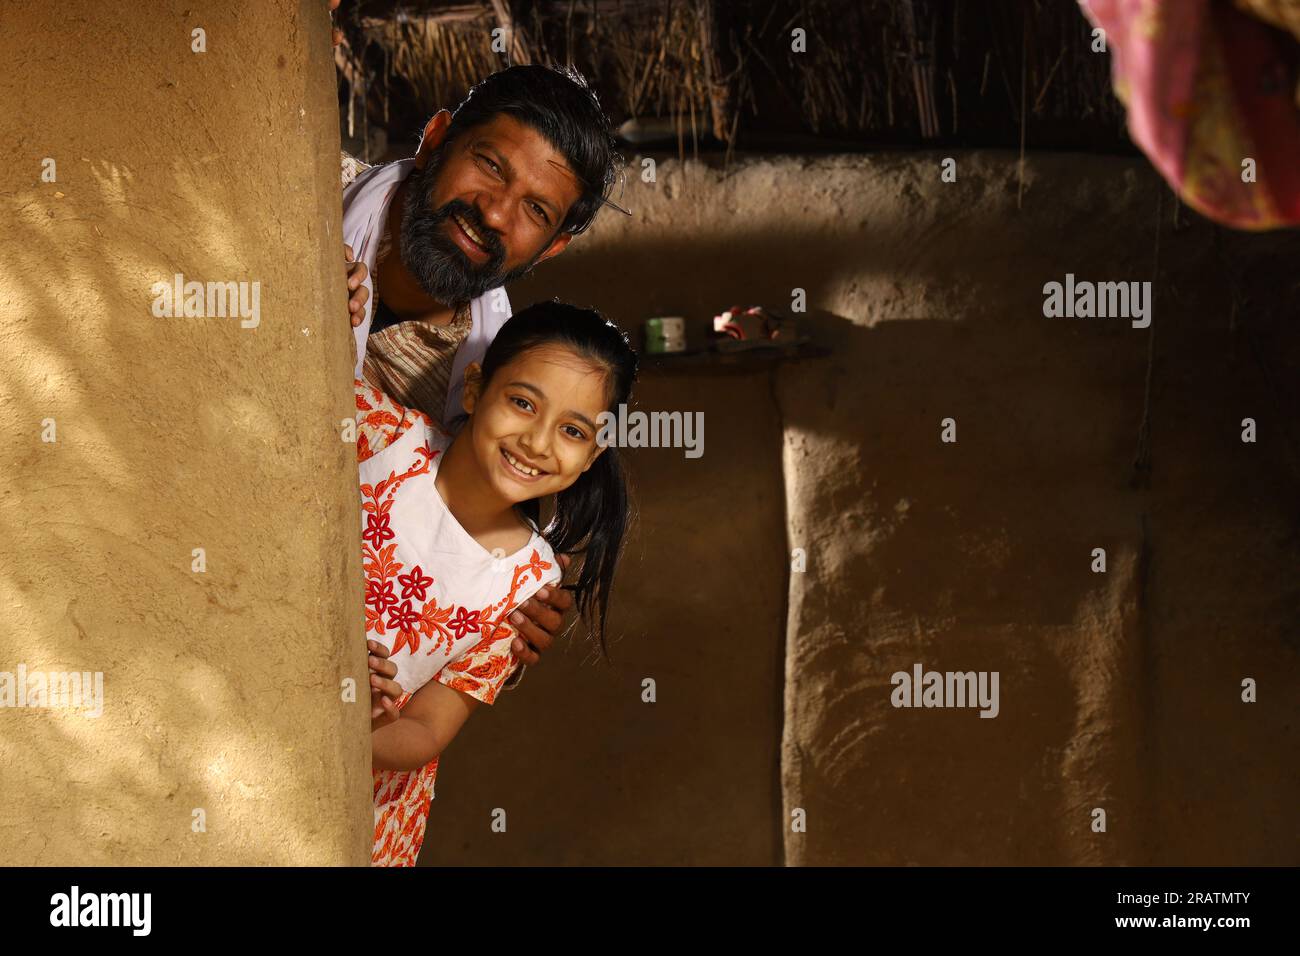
[{"x": 485, "y": 209}]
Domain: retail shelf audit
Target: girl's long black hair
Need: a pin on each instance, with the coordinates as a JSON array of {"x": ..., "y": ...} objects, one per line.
[{"x": 593, "y": 514}]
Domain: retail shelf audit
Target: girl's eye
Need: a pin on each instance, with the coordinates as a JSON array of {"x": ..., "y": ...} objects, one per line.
[
  {"x": 522, "y": 403},
  {"x": 575, "y": 432}
]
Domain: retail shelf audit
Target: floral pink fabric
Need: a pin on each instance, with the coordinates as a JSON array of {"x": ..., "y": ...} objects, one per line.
[{"x": 1207, "y": 88}]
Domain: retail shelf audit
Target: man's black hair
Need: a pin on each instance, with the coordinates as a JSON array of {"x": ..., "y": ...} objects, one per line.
[{"x": 558, "y": 104}]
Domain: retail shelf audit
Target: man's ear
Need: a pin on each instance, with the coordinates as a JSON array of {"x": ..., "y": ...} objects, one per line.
[
  {"x": 473, "y": 385},
  {"x": 555, "y": 248},
  {"x": 435, "y": 131}
]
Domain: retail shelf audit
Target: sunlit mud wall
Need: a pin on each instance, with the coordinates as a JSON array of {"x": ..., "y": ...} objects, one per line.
[
  {"x": 178, "y": 513},
  {"x": 1119, "y": 690}
]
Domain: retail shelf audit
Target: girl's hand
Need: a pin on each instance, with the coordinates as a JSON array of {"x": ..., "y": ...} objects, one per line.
[
  {"x": 382, "y": 685},
  {"x": 388, "y": 713}
]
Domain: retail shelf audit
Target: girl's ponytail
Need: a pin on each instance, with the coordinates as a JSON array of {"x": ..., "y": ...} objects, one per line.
[{"x": 596, "y": 507}]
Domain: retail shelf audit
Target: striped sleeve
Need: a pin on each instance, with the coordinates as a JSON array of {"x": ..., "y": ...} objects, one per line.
[{"x": 350, "y": 168}]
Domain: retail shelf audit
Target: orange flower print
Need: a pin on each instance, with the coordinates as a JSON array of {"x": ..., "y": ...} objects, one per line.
[
  {"x": 464, "y": 621},
  {"x": 379, "y": 595},
  {"x": 404, "y": 617},
  {"x": 377, "y": 530},
  {"x": 414, "y": 584},
  {"x": 537, "y": 566}
]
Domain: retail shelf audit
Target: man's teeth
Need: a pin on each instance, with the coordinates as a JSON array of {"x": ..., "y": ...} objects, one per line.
[
  {"x": 469, "y": 231},
  {"x": 519, "y": 464}
]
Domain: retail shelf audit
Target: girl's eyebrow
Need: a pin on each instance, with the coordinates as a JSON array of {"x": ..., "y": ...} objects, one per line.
[{"x": 542, "y": 395}]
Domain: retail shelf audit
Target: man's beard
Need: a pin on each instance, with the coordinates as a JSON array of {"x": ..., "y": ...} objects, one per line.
[{"x": 441, "y": 267}]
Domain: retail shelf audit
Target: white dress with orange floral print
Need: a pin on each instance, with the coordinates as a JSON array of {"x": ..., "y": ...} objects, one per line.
[{"x": 435, "y": 597}]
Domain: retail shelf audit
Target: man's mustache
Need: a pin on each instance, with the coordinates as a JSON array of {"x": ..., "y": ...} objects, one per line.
[
  {"x": 442, "y": 268},
  {"x": 491, "y": 240}
]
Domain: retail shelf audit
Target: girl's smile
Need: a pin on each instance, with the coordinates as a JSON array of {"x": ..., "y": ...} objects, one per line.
[
  {"x": 531, "y": 433},
  {"x": 533, "y": 429},
  {"x": 515, "y": 466}
]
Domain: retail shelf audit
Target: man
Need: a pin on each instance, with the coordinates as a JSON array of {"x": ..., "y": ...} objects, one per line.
[{"x": 502, "y": 184}]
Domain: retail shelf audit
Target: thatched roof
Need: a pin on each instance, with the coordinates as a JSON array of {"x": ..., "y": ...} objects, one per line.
[{"x": 873, "y": 73}]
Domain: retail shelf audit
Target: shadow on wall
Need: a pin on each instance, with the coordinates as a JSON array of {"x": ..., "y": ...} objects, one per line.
[
  {"x": 968, "y": 556},
  {"x": 153, "y": 459},
  {"x": 221, "y": 688}
]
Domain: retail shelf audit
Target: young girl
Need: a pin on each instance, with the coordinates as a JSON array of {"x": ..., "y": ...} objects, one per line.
[{"x": 451, "y": 542}]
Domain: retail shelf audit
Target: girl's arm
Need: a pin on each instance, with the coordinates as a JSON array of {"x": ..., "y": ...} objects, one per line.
[
  {"x": 428, "y": 723},
  {"x": 434, "y": 714}
]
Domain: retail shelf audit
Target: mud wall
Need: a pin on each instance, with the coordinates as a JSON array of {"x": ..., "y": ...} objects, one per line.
[
  {"x": 1118, "y": 691},
  {"x": 177, "y": 511}
]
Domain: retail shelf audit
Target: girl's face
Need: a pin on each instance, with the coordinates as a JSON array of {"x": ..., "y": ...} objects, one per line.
[{"x": 533, "y": 429}]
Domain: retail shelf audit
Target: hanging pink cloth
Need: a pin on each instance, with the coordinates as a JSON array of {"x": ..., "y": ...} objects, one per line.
[{"x": 1207, "y": 88}]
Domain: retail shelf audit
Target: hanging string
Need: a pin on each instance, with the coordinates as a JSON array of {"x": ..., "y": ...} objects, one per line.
[{"x": 1141, "y": 477}]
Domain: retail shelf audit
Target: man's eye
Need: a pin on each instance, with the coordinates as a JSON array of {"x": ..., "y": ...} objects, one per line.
[
  {"x": 541, "y": 212},
  {"x": 494, "y": 166}
]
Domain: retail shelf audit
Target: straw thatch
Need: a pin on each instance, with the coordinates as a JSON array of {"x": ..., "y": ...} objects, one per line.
[{"x": 871, "y": 72}]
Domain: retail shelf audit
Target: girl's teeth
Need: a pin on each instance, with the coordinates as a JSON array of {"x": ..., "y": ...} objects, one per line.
[{"x": 517, "y": 464}]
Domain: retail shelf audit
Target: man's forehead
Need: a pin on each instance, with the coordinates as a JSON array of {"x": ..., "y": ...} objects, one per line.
[{"x": 528, "y": 146}]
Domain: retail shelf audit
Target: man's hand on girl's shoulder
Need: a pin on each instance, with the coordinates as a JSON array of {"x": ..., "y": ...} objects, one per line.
[{"x": 540, "y": 619}]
